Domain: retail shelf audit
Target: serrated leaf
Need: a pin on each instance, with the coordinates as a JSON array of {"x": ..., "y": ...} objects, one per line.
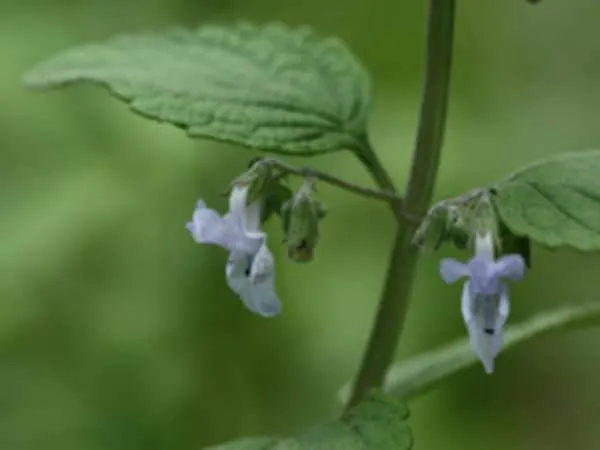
[
  {"x": 378, "y": 423},
  {"x": 272, "y": 88},
  {"x": 555, "y": 202},
  {"x": 419, "y": 374}
]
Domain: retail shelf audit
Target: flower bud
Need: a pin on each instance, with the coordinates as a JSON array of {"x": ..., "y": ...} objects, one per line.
[{"x": 301, "y": 215}]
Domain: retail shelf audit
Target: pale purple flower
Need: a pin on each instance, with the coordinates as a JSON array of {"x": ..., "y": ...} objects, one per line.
[
  {"x": 250, "y": 269},
  {"x": 485, "y": 304}
]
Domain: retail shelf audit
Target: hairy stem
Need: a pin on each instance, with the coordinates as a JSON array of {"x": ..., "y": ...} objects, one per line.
[{"x": 397, "y": 288}]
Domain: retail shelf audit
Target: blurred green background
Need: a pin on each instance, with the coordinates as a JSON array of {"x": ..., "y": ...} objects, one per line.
[{"x": 118, "y": 332}]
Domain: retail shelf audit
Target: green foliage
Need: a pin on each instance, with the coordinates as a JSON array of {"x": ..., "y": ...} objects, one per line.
[
  {"x": 435, "y": 227},
  {"x": 273, "y": 88},
  {"x": 421, "y": 373},
  {"x": 253, "y": 443},
  {"x": 275, "y": 197},
  {"x": 555, "y": 202},
  {"x": 376, "y": 424},
  {"x": 456, "y": 220},
  {"x": 511, "y": 243}
]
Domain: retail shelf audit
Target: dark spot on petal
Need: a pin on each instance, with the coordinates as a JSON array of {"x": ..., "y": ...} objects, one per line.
[
  {"x": 489, "y": 331},
  {"x": 248, "y": 266}
]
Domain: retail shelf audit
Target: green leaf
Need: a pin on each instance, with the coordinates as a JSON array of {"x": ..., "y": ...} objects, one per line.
[
  {"x": 555, "y": 202},
  {"x": 276, "y": 196},
  {"x": 510, "y": 243},
  {"x": 253, "y": 443},
  {"x": 419, "y": 374},
  {"x": 376, "y": 424},
  {"x": 273, "y": 88}
]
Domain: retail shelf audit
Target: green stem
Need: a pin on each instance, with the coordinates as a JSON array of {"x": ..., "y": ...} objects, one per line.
[
  {"x": 387, "y": 192},
  {"x": 369, "y": 159},
  {"x": 396, "y": 292}
]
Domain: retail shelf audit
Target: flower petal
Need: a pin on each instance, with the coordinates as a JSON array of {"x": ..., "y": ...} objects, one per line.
[
  {"x": 452, "y": 270},
  {"x": 237, "y": 271},
  {"x": 237, "y": 200},
  {"x": 502, "y": 315},
  {"x": 252, "y": 217},
  {"x": 503, "y": 307},
  {"x": 258, "y": 295},
  {"x": 484, "y": 246},
  {"x": 485, "y": 340},
  {"x": 263, "y": 264},
  {"x": 491, "y": 341},
  {"x": 482, "y": 344},
  {"x": 466, "y": 303},
  {"x": 249, "y": 215},
  {"x": 262, "y": 298},
  {"x": 208, "y": 227},
  {"x": 484, "y": 280},
  {"x": 511, "y": 267}
]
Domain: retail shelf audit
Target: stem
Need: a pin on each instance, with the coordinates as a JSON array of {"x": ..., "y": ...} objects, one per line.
[
  {"x": 370, "y": 160},
  {"x": 394, "y": 300},
  {"x": 386, "y": 193}
]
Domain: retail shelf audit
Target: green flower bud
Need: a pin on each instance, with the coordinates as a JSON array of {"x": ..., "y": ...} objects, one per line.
[{"x": 301, "y": 215}]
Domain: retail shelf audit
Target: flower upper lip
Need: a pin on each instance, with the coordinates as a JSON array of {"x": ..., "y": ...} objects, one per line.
[{"x": 483, "y": 270}]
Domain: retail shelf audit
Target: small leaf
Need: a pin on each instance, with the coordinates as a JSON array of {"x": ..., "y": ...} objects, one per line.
[
  {"x": 276, "y": 196},
  {"x": 555, "y": 202},
  {"x": 378, "y": 423},
  {"x": 273, "y": 88},
  {"x": 419, "y": 374}
]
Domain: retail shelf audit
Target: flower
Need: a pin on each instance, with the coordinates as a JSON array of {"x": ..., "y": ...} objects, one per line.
[
  {"x": 485, "y": 305},
  {"x": 250, "y": 268}
]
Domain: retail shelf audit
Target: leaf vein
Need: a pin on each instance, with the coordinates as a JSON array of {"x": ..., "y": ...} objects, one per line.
[{"x": 560, "y": 209}]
